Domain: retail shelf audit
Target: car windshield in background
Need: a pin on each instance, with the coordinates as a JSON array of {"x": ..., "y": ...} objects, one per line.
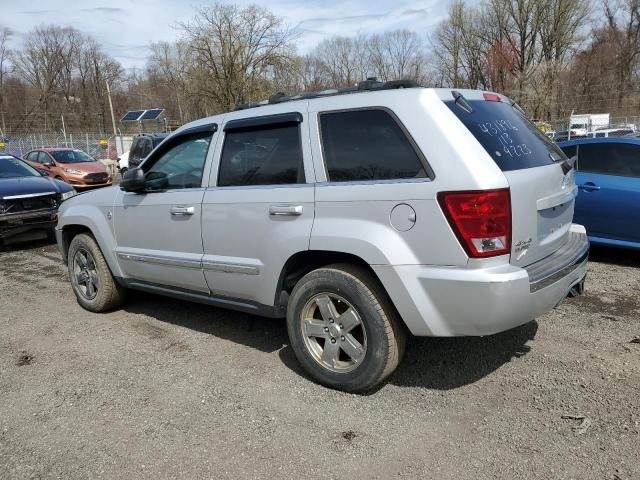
[
  {"x": 11, "y": 167},
  {"x": 71, "y": 156},
  {"x": 512, "y": 140}
]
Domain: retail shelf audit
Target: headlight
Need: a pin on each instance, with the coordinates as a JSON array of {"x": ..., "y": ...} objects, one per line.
[
  {"x": 73, "y": 171},
  {"x": 68, "y": 194}
]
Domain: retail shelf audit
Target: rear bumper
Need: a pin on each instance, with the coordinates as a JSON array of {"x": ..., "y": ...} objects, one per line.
[{"x": 455, "y": 301}]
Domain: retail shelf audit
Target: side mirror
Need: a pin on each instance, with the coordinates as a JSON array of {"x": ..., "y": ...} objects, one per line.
[
  {"x": 49, "y": 164},
  {"x": 133, "y": 180}
]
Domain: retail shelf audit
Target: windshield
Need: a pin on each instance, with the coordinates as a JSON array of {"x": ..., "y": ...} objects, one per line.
[
  {"x": 71, "y": 156},
  {"x": 511, "y": 139},
  {"x": 11, "y": 167}
]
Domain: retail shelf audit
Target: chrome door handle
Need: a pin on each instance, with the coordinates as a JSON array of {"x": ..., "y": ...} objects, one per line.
[
  {"x": 285, "y": 210},
  {"x": 589, "y": 187},
  {"x": 182, "y": 211}
]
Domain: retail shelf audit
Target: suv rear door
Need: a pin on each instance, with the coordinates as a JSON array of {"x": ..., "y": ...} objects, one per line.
[
  {"x": 261, "y": 209},
  {"x": 541, "y": 184}
]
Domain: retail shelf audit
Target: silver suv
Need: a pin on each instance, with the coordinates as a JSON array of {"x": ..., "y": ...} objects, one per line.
[{"x": 361, "y": 215}]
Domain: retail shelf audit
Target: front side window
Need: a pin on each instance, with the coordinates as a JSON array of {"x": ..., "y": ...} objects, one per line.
[
  {"x": 362, "y": 145},
  {"x": 43, "y": 158},
  {"x": 181, "y": 166},
  {"x": 622, "y": 159},
  {"x": 263, "y": 155}
]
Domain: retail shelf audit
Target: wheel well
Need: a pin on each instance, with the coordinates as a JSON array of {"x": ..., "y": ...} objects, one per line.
[
  {"x": 298, "y": 265},
  {"x": 70, "y": 231}
]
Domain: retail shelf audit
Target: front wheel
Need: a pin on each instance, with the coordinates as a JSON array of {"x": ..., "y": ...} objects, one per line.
[
  {"x": 343, "y": 328},
  {"x": 93, "y": 284}
]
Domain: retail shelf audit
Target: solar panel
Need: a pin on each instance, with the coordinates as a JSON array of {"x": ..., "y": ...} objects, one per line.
[
  {"x": 132, "y": 116},
  {"x": 152, "y": 114}
]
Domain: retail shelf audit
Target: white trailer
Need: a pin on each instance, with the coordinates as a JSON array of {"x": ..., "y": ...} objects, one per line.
[{"x": 585, "y": 123}]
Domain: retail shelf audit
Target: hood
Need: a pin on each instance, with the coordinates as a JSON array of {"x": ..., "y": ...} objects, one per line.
[
  {"x": 85, "y": 167},
  {"x": 10, "y": 187}
]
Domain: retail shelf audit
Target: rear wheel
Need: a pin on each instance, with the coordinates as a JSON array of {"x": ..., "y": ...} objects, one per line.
[
  {"x": 93, "y": 284},
  {"x": 343, "y": 328}
]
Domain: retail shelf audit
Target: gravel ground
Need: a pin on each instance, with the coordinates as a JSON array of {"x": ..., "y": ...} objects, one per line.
[{"x": 167, "y": 389}]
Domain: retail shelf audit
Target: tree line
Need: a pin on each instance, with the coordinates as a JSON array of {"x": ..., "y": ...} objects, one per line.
[{"x": 551, "y": 56}]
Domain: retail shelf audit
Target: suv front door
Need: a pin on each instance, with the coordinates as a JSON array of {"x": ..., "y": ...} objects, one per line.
[
  {"x": 261, "y": 210},
  {"x": 158, "y": 231}
]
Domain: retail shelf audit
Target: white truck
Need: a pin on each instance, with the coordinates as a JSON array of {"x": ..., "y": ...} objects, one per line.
[{"x": 585, "y": 123}]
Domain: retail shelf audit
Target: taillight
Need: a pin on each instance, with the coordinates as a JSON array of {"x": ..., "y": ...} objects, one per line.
[{"x": 480, "y": 219}]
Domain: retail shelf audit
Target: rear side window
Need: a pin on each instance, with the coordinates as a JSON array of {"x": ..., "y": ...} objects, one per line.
[
  {"x": 512, "y": 140},
  {"x": 265, "y": 155},
  {"x": 621, "y": 159},
  {"x": 367, "y": 145}
]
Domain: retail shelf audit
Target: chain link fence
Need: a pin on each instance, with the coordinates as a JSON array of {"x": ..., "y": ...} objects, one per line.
[{"x": 103, "y": 148}]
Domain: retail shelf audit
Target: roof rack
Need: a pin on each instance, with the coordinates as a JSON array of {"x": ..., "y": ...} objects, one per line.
[{"x": 368, "y": 85}]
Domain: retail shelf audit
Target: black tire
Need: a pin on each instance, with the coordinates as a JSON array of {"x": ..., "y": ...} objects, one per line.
[
  {"x": 107, "y": 293},
  {"x": 383, "y": 335}
]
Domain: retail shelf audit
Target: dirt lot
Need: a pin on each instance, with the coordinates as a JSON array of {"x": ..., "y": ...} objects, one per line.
[{"x": 168, "y": 389}]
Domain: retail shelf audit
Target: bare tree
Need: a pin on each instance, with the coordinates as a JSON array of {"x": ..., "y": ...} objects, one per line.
[
  {"x": 345, "y": 59},
  {"x": 5, "y": 68},
  {"x": 397, "y": 55},
  {"x": 233, "y": 51},
  {"x": 623, "y": 23}
]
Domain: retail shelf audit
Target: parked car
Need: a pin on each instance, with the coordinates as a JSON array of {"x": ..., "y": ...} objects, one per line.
[
  {"x": 142, "y": 146},
  {"x": 123, "y": 162},
  {"x": 28, "y": 201},
  {"x": 361, "y": 215},
  {"x": 70, "y": 165},
  {"x": 608, "y": 177}
]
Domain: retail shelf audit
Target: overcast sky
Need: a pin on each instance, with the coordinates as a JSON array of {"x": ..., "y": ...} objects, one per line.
[{"x": 127, "y": 27}]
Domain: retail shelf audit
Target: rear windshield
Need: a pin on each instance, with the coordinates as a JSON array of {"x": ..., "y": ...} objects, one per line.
[{"x": 512, "y": 140}]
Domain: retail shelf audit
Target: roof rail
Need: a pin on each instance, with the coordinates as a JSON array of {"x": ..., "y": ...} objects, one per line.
[{"x": 368, "y": 85}]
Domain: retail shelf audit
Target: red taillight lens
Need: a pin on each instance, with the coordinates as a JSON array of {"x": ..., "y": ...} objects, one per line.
[
  {"x": 481, "y": 220},
  {"x": 492, "y": 97}
]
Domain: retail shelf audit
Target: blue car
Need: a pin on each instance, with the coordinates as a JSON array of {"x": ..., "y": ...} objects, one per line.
[{"x": 608, "y": 178}]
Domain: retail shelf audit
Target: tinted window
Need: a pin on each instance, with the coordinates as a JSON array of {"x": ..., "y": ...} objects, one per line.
[
  {"x": 512, "y": 140},
  {"x": 570, "y": 151},
  {"x": 71, "y": 156},
  {"x": 11, "y": 167},
  {"x": 181, "y": 166},
  {"x": 610, "y": 158},
  {"x": 367, "y": 145},
  {"x": 146, "y": 147},
  {"x": 262, "y": 156}
]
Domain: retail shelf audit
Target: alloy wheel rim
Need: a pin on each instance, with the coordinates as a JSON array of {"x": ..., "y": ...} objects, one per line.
[
  {"x": 333, "y": 332},
  {"x": 85, "y": 274}
]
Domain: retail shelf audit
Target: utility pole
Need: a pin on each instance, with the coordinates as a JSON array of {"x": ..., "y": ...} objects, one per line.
[{"x": 113, "y": 118}]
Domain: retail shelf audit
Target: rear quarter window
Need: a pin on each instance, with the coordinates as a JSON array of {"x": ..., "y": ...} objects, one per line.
[{"x": 512, "y": 141}]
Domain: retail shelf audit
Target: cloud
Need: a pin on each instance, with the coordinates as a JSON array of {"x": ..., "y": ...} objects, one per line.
[
  {"x": 39, "y": 12},
  {"x": 103, "y": 10}
]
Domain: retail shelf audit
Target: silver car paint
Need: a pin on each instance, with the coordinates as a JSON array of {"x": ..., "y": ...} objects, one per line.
[{"x": 436, "y": 288}]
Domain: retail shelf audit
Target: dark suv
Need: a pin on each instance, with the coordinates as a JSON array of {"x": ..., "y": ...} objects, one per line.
[{"x": 142, "y": 146}]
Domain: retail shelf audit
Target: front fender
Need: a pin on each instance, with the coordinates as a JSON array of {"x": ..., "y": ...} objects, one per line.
[{"x": 96, "y": 219}]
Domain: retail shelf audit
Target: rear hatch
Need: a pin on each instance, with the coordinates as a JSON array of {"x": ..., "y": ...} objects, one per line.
[{"x": 541, "y": 182}]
